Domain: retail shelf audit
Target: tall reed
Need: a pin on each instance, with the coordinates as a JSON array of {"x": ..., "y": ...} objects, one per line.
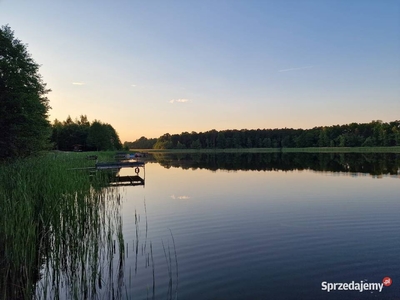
[
  {"x": 57, "y": 228},
  {"x": 61, "y": 231}
]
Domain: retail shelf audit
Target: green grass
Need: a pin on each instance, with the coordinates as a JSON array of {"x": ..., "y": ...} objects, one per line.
[{"x": 395, "y": 149}]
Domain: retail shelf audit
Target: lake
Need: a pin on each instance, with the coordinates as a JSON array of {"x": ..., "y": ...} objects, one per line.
[{"x": 261, "y": 226}]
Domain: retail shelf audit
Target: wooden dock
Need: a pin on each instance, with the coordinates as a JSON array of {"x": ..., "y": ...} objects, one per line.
[
  {"x": 118, "y": 165},
  {"x": 114, "y": 167}
]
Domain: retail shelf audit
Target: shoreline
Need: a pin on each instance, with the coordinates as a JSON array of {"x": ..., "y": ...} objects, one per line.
[{"x": 392, "y": 149}]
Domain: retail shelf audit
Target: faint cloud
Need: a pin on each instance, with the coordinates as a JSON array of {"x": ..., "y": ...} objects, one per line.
[
  {"x": 133, "y": 85},
  {"x": 180, "y": 197},
  {"x": 179, "y": 101},
  {"x": 295, "y": 69},
  {"x": 78, "y": 83}
]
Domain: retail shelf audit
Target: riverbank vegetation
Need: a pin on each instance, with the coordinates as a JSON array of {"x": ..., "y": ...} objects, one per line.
[
  {"x": 58, "y": 227},
  {"x": 373, "y": 134}
]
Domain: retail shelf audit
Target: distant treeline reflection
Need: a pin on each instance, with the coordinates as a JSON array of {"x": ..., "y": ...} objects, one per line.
[{"x": 369, "y": 163}]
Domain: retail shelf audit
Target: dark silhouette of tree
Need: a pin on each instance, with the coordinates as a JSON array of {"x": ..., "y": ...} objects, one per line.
[
  {"x": 23, "y": 103},
  {"x": 142, "y": 143},
  {"x": 371, "y": 134},
  {"x": 83, "y": 135},
  {"x": 163, "y": 142}
]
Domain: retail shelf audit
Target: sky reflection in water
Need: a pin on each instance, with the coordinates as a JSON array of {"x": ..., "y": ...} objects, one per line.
[{"x": 268, "y": 234}]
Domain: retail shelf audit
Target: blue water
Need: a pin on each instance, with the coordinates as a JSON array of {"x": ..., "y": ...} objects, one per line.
[{"x": 259, "y": 234}]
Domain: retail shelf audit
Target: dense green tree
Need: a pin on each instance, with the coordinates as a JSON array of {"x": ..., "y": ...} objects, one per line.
[
  {"x": 23, "y": 103},
  {"x": 114, "y": 138},
  {"x": 266, "y": 143},
  {"x": 141, "y": 143},
  {"x": 323, "y": 138},
  {"x": 342, "y": 140},
  {"x": 396, "y": 135},
  {"x": 179, "y": 145},
  {"x": 163, "y": 142},
  {"x": 73, "y": 134},
  {"x": 98, "y": 137},
  {"x": 103, "y": 137},
  {"x": 369, "y": 142},
  {"x": 286, "y": 141},
  {"x": 82, "y": 135},
  {"x": 221, "y": 141},
  {"x": 211, "y": 138},
  {"x": 195, "y": 144},
  {"x": 56, "y": 132}
]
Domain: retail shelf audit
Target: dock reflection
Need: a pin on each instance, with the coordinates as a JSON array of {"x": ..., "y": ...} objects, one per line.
[
  {"x": 127, "y": 180},
  {"x": 114, "y": 168}
]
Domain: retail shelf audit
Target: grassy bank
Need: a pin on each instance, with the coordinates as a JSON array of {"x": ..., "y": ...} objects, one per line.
[
  {"x": 53, "y": 221},
  {"x": 274, "y": 150}
]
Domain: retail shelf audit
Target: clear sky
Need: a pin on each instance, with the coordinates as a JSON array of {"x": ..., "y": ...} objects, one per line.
[{"x": 152, "y": 67}]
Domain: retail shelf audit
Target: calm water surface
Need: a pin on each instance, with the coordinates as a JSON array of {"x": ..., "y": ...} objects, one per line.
[{"x": 262, "y": 233}]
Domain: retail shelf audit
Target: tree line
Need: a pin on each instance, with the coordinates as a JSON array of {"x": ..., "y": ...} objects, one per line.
[
  {"x": 373, "y": 134},
  {"x": 82, "y": 135}
]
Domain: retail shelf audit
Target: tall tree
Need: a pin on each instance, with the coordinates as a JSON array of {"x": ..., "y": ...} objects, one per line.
[
  {"x": 103, "y": 137},
  {"x": 23, "y": 103},
  {"x": 114, "y": 138}
]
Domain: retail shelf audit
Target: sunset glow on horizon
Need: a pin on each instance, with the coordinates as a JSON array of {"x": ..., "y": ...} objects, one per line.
[{"x": 154, "y": 67}]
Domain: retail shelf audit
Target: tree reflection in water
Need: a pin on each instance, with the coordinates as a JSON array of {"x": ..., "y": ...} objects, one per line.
[{"x": 375, "y": 164}]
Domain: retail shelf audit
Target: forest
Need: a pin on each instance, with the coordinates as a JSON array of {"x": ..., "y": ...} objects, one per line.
[
  {"x": 373, "y": 134},
  {"x": 82, "y": 135}
]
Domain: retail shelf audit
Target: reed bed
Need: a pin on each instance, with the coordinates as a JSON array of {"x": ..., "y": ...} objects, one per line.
[{"x": 58, "y": 230}]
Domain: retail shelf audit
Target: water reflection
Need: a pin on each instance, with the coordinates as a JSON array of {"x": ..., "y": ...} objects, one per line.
[
  {"x": 275, "y": 222},
  {"x": 375, "y": 164},
  {"x": 84, "y": 250},
  {"x": 269, "y": 235},
  {"x": 127, "y": 180}
]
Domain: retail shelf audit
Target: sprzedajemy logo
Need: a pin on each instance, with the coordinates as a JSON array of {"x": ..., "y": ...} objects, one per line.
[{"x": 356, "y": 286}]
